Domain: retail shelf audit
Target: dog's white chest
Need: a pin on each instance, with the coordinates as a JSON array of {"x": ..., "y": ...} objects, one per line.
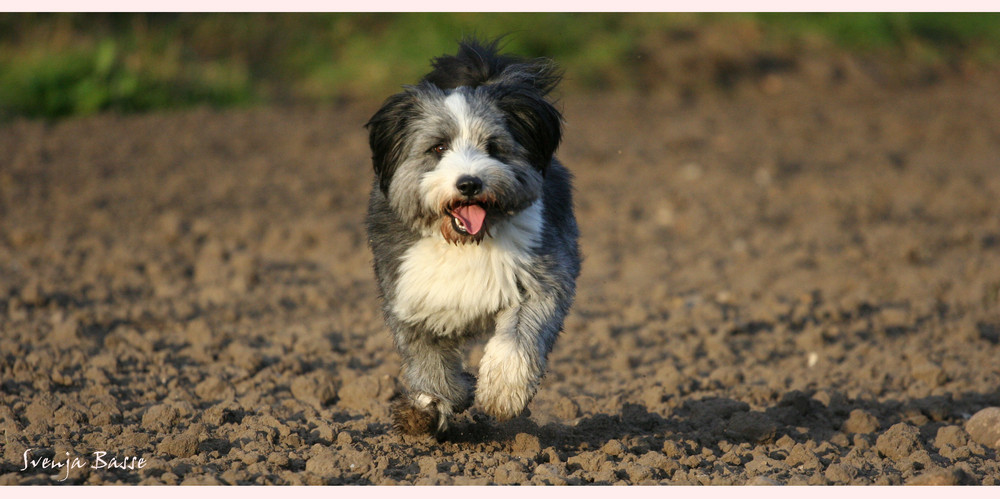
[{"x": 444, "y": 286}]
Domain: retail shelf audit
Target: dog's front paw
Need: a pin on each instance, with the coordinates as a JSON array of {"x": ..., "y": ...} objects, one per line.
[
  {"x": 507, "y": 382},
  {"x": 504, "y": 401},
  {"x": 422, "y": 415}
]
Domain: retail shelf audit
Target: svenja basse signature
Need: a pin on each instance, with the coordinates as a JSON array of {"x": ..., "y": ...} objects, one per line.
[{"x": 99, "y": 462}]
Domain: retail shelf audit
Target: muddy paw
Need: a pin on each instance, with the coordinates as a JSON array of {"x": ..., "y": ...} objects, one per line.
[{"x": 411, "y": 420}]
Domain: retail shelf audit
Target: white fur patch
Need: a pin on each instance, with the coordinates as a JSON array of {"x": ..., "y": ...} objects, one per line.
[
  {"x": 446, "y": 286},
  {"x": 458, "y": 106},
  {"x": 424, "y": 400}
]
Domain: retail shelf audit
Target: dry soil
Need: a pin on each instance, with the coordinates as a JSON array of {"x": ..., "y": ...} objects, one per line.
[{"x": 795, "y": 280}]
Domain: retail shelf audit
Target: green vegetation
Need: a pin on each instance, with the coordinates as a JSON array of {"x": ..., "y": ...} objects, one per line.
[
  {"x": 55, "y": 65},
  {"x": 973, "y": 36}
]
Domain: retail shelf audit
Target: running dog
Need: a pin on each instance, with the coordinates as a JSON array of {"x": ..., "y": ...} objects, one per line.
[{"x": 471, "y": 226}]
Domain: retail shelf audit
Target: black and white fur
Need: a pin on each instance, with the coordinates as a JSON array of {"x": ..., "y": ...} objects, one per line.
[{"x": 477, "y": 130}]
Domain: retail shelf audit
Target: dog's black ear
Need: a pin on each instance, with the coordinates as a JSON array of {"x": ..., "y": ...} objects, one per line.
[
  {"x": 534, "y": 122},
  {"x": 387, "y": 135}
]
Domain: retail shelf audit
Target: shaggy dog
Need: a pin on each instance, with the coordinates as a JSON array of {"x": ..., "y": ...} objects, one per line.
[{"x": 471, "y": 225}]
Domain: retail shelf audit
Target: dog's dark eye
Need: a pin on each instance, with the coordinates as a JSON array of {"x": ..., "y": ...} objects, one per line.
[
  {"x": 439, "y": 149},
  {"x": 492, "y": 148}
]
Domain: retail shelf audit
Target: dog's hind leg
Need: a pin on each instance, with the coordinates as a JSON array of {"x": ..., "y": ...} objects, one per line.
[{"x": 436, "y": 385}]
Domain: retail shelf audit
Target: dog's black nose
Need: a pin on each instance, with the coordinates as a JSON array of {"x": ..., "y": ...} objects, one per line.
[{"x": 469, "y": 186}]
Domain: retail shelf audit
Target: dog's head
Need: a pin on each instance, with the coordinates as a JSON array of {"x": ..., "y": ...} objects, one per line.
[{"x": 467, "y": 147}]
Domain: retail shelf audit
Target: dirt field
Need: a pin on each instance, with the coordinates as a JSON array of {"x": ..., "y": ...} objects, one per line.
[{"x": 796, "y": 281}]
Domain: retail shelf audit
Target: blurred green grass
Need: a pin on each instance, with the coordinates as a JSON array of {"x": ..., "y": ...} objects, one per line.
[{"x": 59, "y": 64}]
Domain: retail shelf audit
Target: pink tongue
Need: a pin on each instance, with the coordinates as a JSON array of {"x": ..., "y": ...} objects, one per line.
[{"x": 472, "y": 216}]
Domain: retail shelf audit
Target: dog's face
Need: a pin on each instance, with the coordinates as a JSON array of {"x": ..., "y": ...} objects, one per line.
[{"x": 462, "y": 160}]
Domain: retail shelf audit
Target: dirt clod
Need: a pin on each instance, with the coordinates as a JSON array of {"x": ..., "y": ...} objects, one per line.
[
  {"x": 984, "y": 427},
  {"x": 526, "y": 445},
  {"x": 613, "y": 448},
  {"x": 937, "y": 476},
  {"x": 763, "y": 480},
  {"x": 183, "y": 445},
  {"x": 510, "y": 473},
  {"x": 952, "y": 435},
  {"x": 751, "y": 427},
  {"x": 899, "y": 441},
  {"x": 860, "y": 421},
  {"x": 800, "y": 456},
  {"x": 317, "y": 388},
  {"x": 324, "y": 463},
  {"x": 160, "y": 417},
  {"x": 840, "y": 473}
]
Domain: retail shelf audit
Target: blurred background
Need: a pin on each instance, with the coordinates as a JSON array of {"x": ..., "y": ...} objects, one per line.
[{"x": 56, "y": 65}]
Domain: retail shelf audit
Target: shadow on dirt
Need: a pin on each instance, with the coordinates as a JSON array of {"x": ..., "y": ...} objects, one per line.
[{"x": 710, "y": 421}]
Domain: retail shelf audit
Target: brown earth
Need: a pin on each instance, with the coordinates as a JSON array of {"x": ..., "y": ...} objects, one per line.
[{"x": 794, "y": 281}]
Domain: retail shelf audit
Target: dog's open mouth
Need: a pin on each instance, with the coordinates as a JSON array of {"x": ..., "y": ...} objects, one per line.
[{"x": 468, "y": 218}]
